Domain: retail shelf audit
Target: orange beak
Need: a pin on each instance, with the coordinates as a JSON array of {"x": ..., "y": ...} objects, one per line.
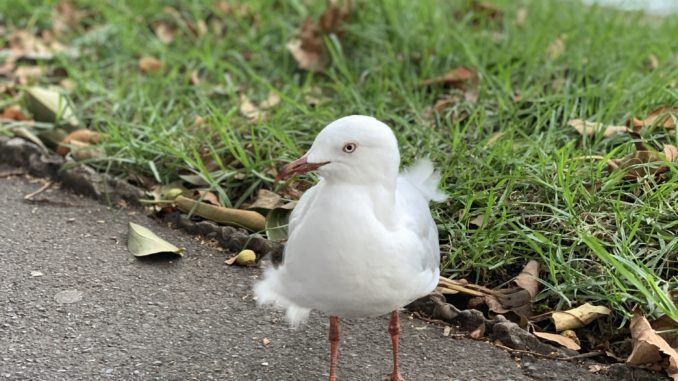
[{"x": 297, "y": 167}]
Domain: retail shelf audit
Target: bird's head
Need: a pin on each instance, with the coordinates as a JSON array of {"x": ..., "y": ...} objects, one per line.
[{"x": 354, "y": 149}]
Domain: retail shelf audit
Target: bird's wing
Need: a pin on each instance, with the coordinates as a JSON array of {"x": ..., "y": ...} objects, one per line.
[
  {"x": 305, "y": 202},
  {"x": 417, "y": 186}
]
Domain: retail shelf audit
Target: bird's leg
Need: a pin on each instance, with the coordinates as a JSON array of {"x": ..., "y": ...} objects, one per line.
[
  {"x": 394, "y": 330},
  {"x": 334, "y": 346}
]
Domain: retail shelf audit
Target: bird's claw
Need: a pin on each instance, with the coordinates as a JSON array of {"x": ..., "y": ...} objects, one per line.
[{"x": 395, "y": 376}]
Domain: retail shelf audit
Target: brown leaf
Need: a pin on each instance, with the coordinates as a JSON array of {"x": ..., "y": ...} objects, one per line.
[
  {"x": 266, "y": 200},
  {"x": 67, "y": 16},
  {"x": 649, "y": 348},
  {"x": 663, "y": 117},
  {"x": 149, "y": 65},
  {"x": 78, "y": 136},
  {"x": 560, "y": 339},
  {"x": 578, "y": 317},
  {"x": 271, "y": 100},
  {"x": 586, "y": 128},
  {"x": 458, "y": 78},
  {"x": 206, "y": 197},
  {"x": 556, "y": 48},
  {"x": 308, "y": 49},
  {"x": 515, "y": 303},
  {"x": 26, "y": 75},
  {"x": 164, "y": 31},
  {"x": 644, "y": 162},
  {"x": 521, "y": 16},
  {"x": 249, "y": 110},
  {"x": 13, "y": 113},
  {"x": 668, "y": 329},
  {"x": 528, "y": 279}
]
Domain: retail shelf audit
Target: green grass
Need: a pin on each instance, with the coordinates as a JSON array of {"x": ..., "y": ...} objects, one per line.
[{"x": 601, "y": 239}]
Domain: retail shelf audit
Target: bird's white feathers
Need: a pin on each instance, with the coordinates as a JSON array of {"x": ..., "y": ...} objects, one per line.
[{"x": 358, "y": 249}]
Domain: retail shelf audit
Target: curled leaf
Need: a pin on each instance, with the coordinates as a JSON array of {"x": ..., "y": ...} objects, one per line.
[
  {"x": 663, "y": 116},
  {"x": 560, "y": 339},
  {"x": 578, "y": 317},
  {"x": 142, "y": 242},
  {"x": 586, "y": 128},
  {"x": 82, "y": 135},
  {"x": 246, "y": 218},
  {"x": 649, "y": 348},
  {"x": 458, "y": 78}
]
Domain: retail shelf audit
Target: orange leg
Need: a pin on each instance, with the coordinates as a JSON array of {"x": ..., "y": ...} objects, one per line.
[
  {"x": 334, "y": 346},
  {"x": 394, "y": 330}
]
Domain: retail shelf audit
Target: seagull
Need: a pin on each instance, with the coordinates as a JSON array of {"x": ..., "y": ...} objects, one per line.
[{"x": 362, "y": 242}]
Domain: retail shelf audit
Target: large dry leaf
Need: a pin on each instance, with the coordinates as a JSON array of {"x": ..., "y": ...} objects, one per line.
[
  {"x": 644, "y": 162},
  {"x": 586, "y": 128},
  {"x": 50, "y": 105},
  {"x": 458, "y": 77},
  {"x": 560, "y": 339},
  {"x": 246, "y": 218},
  {"x": 578, "y": 317},
  {"x": 515, "y": 303},
  {"x": 663, "y": 116},
  {"x": 308, "y": 49},
  {"x": 142, "y": 242},
  {"x": 649, "y": 348}
]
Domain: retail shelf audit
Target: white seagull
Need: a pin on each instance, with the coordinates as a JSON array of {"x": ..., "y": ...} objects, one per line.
[{"x": 362, "y": 242}]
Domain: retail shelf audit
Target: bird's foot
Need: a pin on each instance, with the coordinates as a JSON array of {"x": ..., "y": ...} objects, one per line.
[{"x": 395, "y": 376}]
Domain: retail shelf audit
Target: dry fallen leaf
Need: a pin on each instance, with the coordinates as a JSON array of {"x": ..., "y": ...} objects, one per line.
[
  {"x": 82, "y": 136},
  {"x": 515, "y": 303},
  {"x": 578, "y": 317},
  {"x": 164, "y": 31},
  {"x": 556, "y": 48},
  {"x": 13, "y": 113},
  {"x": 458, "y": 78},
  {"x": 142, "y": 242},
  {"x": 266, "y": 200},
  {"x": 308, "y": 49},
  {"x": 560, "y": 339},
  {"x": 249, "y": 110},
  {"x": 644, "y": 162},
  {"x": 586, "y": 128},
  {"x": 272, "y": 100},
  {"x": 149, "y": 65},
  {"x": 649, "y": 348},
  {"x": 663, "y": 117},
  {"x": 521, "y": 16}
]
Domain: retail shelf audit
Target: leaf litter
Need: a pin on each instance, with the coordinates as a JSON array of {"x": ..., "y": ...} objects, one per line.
[{"x": 308, "y": 48}]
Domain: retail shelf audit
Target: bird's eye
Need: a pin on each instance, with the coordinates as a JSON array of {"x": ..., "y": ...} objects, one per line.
[{"x": 350, "y": 147}]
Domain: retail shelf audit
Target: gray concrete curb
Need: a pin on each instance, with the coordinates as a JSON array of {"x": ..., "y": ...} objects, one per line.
[{"x": 109, "y": 190}]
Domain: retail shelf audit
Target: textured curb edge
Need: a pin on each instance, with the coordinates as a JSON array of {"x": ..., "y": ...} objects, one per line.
[{"x": 107, "y": 189}]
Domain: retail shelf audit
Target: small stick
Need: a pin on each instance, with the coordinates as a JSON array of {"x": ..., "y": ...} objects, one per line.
[
  {"x": 37, "y": 192},
  {"x": 582, "y": 356}
]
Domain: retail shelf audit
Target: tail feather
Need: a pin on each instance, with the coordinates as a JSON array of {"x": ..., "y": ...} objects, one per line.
[
  {"x": 423, "y": 177},
  {"x": 267, "y": 293}
]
